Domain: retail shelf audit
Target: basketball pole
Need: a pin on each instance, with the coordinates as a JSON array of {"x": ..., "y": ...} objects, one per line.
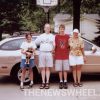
[
  {"x": 47, "y": 13},
  {"x": 48, "y": 16}
]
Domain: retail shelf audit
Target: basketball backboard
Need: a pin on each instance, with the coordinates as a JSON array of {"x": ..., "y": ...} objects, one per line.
[{"x": 47, "y": 2}]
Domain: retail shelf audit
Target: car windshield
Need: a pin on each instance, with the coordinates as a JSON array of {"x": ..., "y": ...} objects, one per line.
[{"x": 87, "y": 46}]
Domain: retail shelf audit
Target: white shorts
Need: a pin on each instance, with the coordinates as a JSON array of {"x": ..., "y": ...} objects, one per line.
[
  {"x": 61, "y": 65},
  {"x": 76, "y": 60},
  {"x": 45, "y": 59}
]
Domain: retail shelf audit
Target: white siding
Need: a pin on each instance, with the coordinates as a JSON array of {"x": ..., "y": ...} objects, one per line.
[
  {"x": 89, "y": 28},
  {"x": 69, "y": 28}
]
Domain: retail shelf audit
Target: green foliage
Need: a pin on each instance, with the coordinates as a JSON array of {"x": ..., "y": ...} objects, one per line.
[
  {"x": 90, "y": 6},
  {"x": 31, "y": 19},
  {"x": 67, "y": 6},
  {"x": 9, "y": 20}
]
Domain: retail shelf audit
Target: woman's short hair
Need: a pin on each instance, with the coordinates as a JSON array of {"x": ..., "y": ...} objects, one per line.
[{"x": 62, "y": 26}]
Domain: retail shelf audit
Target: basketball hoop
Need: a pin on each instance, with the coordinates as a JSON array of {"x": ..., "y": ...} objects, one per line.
[{"x": 47, "y": 4}]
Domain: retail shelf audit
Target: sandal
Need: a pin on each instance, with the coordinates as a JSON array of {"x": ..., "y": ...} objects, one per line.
[
  {"x": 42, "y": 86},
  {"x": 80, "y": 84},
  {"x": 61, "y": 85},
  {"x": 47, "y": 86},
  {"x": 75, "y": 84}
]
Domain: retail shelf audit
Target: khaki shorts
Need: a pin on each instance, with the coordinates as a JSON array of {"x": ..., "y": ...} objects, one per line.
[
  {"x": 45, "y": 59},
  {"x": 62, "y": 65}
]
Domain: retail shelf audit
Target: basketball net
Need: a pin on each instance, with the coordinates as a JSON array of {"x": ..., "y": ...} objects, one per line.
[{"x": 46, "y": 8}]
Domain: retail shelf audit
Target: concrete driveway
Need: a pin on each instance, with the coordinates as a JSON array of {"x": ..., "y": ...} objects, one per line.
[{"x": 10, "y": 91}]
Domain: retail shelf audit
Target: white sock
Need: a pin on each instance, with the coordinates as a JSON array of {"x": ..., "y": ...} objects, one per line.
[
  {"x": 61, "y": 80},
  {"x": 31, "y": 82},
  {"x": 65, "y": 80},
  {"x": 21, "y": 84}
]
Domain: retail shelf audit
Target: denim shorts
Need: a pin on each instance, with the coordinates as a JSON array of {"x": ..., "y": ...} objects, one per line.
[{"x": 23, "y": 63}]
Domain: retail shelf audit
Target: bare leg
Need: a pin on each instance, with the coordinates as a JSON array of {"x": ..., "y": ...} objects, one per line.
[
  {"x": 26, "y": 60},
  {"x": 79, "y": 73},
  {"x": 61, "y": 76},
  {"x": 47, "y": 74},
  {"x": 74, "y": 74},
  {"x": 22, "y": 76},
  {"x": 65, "y": 76},
  {"x": 43, "y": 75},
  {"x": 31, "y": 75}
]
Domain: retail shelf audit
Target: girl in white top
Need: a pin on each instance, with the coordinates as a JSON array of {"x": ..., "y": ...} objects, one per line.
[{"x": 24, "y": 47}]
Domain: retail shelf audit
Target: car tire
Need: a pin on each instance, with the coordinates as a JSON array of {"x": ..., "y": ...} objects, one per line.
[{"x": 15, "y": 74}]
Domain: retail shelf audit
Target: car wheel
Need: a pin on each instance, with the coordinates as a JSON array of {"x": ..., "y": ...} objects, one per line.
[
  {"x": 17, "y": 71},
  {"x": 27, "y": 80}
]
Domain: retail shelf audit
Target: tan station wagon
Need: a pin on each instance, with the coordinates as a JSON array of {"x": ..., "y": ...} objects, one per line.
[{"x": 10, "y": 57}]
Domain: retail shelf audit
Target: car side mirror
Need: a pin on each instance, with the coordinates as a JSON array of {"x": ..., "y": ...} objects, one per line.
[{"x": 94, "y": 49}]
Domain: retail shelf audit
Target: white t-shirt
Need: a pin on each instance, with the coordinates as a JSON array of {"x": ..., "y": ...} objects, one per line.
[
  {"x": 46, "y": 42},
  {"x": 25, "y": 45}
]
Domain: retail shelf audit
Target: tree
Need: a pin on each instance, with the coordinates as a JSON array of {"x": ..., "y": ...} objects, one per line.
[
  {"x": 9, "y": 19},
  {"x": 31, "y": 19},
  {"x": 90, "y": 6}
]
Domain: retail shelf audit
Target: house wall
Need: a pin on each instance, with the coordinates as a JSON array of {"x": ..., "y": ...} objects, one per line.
[{"x": 88, "y": 29}]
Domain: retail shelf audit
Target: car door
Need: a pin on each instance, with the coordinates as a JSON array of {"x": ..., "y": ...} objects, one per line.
[
  {"x": 92, "y": 63},
  {"x": 9, "y": 55}
]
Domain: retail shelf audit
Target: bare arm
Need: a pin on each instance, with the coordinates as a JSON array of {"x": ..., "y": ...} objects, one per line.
[
  {"x": 82, "y": 49},
  {"x": 25, "y": 52}
]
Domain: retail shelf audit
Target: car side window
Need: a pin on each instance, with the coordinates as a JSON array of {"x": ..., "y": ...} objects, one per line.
[
  {"x": 12, "y": 45},
  {"x": 34, "y": 38},
  {"x": 87, "y": 46}
]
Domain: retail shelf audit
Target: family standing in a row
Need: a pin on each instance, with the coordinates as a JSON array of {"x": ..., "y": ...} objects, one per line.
[{"x": 67, "y": 51}]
